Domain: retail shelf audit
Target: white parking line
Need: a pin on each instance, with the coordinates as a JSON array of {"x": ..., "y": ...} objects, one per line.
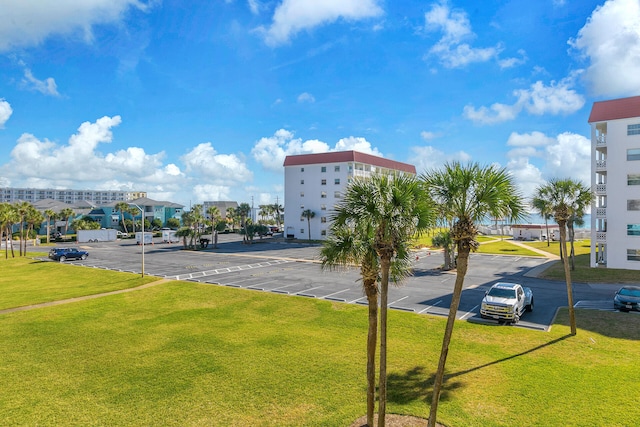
[
  {"x": 339, "y": 292},
  {"x": 468, "y": 314},
  {"x": 393, "y": 302},
  {"x": 436, "y": 303},
  {"x": 304, "y": 291},
  {"x": 356, "y": 300}
]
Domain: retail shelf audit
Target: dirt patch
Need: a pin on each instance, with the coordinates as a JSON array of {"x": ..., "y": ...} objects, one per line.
[{"x": 393, "y": 420}]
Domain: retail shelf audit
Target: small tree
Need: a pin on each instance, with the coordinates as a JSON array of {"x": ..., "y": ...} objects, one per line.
[
  {"x": 66, "y": 213},
  {"x": 308, "y": 214},
  {"x": 51, "y": 216}
]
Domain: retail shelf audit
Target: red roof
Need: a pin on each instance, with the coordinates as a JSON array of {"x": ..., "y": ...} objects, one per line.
[
  {"x": 347, "y": 156},
  {"x": 615, "y": 109}
]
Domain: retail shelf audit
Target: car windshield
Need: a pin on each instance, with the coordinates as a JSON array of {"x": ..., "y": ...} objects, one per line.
[
  {"x": 502, "y": 293},
  {"x": 630, "y": 292}
]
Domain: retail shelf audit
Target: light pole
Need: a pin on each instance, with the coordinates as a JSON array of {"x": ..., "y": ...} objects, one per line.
[{"x": 142, "y": 233}]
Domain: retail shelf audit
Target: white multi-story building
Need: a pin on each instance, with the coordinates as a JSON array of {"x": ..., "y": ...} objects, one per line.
[
  {"x": 615, "y": 178},
  {"x": 316, "y": 182},
  {"x": 32, "y": 195}
]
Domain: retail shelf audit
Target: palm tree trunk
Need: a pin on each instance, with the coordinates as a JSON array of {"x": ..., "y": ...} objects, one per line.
[
  {"x": 385, "y": 265},
  {"x": 463, "y": 262},
  {"x": 372, "y": 336},
  {"x": 546, "y": 224},
  {"x": 309, "y": 227},
  {"x": 567, "y": 275}
]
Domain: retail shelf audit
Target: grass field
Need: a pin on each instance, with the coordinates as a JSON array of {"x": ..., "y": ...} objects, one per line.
[{"x": 190, "y": 354}]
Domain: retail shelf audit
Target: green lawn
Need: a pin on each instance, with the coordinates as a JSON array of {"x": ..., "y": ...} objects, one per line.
[
  {"x": 504, "y": 247},
  {"x": 190, "y": 354},
  {"x": 580, "y": 246},
  {"x": 26, "y": 281}
]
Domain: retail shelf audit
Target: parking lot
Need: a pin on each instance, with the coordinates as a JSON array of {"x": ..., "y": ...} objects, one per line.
[{"x": 272, "y": 265}]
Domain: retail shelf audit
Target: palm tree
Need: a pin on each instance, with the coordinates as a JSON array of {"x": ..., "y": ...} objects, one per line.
[
  {"x": 567, "y": 200},
  {"x": 243, "y": 212},
  {"x": 231, "y": 217},
  {"x": 277, "y": 210},
  {"x": 66, "y": 213},
  {"x": 467, "y": 194},
  {"x": 32, "y": 218},
  {"x": 396, "y": 209},
  {"x": 8, "y": 217},
  {"x": 214, "y": 216},
  {"x": 51, "y": 215},
  {"x": 22, "y": 208},
  {"x": 544, "y": 209},
  {"x": 308, "y": 213},
  {"x": 123, "y": 207},
  {"x": 444, "y": 240}
]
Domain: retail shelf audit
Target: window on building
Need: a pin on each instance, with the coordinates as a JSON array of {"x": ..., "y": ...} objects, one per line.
[
  {"x": 323, "y": 207},
  {"x": 302, "y": 181},
  {"x": 323, "y": 232},
  {"x": 633, "y": 129},
  {"x": 301, "y": 169},
  {"x": 633, "y": 229},
  {"x": 336, "y": 169},
  {"x": 323, "y": 195},
  {"x": 302, "y": 231},
  {"x": 323, "y": 169},
  {"x": 323, "y": 182},
  {"x": 633, "y": 179},
  {"x": 633, "y": 154},
  {"x": 301, "y": 218},
  {"x": 633, "y": 205},
  {"x": 301, "y": 194},
  {"x": 301, "y": 206},
  {"x": 336, "y": 181},
  {"x": 633, "y": 254},
  {"x": 337, "y": 195},
  {"x": 323, "y": 219}
]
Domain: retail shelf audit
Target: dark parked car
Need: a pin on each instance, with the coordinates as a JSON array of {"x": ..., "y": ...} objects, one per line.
[
  {"x": 63, "y": 254},
  {"x": 627, "y": 298}
]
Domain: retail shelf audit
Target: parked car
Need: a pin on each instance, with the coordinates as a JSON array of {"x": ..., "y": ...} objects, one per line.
[
  {"x": 122, "y": 235},
  {"x": 506, "y": 302},
  {"x": 627, "y": 298},
  {"x": 63, "y": 254}
]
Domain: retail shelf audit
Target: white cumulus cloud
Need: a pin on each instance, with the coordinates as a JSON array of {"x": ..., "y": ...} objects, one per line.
[
  {"x": 451, "y": 49},
  {"x": 538, "y": 99},
  {"x": 47, "y": 86},
  {"x": 270, "y": 152},
  {"x": 27, "y": 23},
  {"x": 610, "y": 40},
  {"x": 293, "y": 16},
  {"x": 427, "y": 158},
  {"x": 306, "y": 97},
  {"x": 5, "y": 112}
]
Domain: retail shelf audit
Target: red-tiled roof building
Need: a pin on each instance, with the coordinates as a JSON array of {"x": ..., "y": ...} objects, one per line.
[
  {"x": 316, "y": 182},
  {"x": 615, "y": 179}
]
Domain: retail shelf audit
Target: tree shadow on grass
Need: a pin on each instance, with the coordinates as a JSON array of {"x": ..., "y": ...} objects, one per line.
[{"x": 416, "y": 385}]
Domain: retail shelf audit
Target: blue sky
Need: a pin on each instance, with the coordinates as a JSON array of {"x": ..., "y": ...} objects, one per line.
[{"x": 202, "y": 100}]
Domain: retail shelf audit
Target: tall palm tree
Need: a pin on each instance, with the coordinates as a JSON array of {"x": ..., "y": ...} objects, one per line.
[
  {"x": 467, "y": 194},
  {"x": 8, "y": 217},
  {"x": 23, "y": 209},
  {"x": 214, "y": 215},
  {"x": 32, "y": 218},
  {"x": 243, "y": 211},
  {"x": 396, "y": 209},
  {"x": 567, "y": 199},
  {"x": 122, "y": 207},
  {"x": 308, "y": 214},
  {"x": 277, "y": 211},
  {"x": 51, "y": 215},
  {"x": 353, "y": 244},
  {"x": 66, "y": 213},
  {"x": 544, "y": 208},
  {"x": 231, "y": 217}
]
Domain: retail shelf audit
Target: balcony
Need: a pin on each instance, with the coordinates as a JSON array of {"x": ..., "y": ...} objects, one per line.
[
  {"x": 601, "y": 212},
  {"x": 601, "y": 165},
  {"x": 601, "y": 236},
  {"x": 601, "y": 188},
  {"x": 601, "y": 140}
]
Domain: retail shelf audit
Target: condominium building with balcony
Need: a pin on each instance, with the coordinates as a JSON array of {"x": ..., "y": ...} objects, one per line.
[
  {"x": 615, "y": 178},
  {"x": 316, "y": 182},
  {"x": 32, "y": 195}
]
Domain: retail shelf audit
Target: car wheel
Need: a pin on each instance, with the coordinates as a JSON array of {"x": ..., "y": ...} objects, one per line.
[
  {"x": 63, "y": 258},
  {"x": 83, "y": 257},
  {"x": 530, "y": 306},
  {"x": 516, "y": 319}
]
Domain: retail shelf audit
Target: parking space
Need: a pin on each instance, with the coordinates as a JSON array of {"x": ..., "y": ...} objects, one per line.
[{"x": 294, "y": 269}]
